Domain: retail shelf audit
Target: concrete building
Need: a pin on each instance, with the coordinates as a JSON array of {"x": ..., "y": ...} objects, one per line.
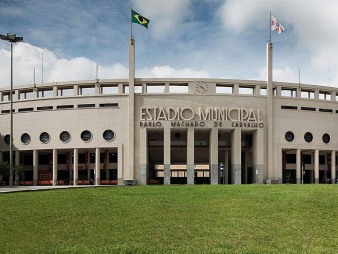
[{"x": 172, "y": 131}]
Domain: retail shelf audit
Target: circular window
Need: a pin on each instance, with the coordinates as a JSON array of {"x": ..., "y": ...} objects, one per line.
[
  {"x": 64, "y": 136},
  {"x": 7, "y": 139},
  {"x": 326, "y": 138},
  {"x": 25, "y": 138},
  {"x": 86, "y": 136},
  {"x": 108, "y": 135},
  {"x": 308, "y": 137},
  {"x": 289, "y": 136},
  {"x": 44, "y": 137}
]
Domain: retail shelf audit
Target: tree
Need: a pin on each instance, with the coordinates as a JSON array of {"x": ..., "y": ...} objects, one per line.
[{"x": 4, "y": 169}]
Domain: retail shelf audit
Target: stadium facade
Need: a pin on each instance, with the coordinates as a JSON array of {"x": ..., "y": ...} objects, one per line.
[{"x": 172, "y": 131}]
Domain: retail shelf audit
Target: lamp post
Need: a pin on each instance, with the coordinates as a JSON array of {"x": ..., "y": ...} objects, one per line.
[{"x": 12, "y": 38}]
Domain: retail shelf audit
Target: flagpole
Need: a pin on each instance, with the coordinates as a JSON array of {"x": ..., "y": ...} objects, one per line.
[{"x": 131, "y": 23}]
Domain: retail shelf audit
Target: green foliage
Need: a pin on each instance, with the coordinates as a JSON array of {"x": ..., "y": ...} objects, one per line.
[
  {"x": 172, "y": 219},
  {"x": 5, "y": 168}
]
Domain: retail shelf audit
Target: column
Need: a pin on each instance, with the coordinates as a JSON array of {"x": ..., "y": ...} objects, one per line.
[
  {"x": 1, "y": 154},
  {"x": 258, "y": 156},
  {"x": 143, "y": 156},
  {"x": 120, "y": 164},
  {"x": 245, "y": 167},
  {"x": 97, "y": 166},
  {"x": 213, "y": 156},
  {"x": 76, "y": 167},
  {"x": 166, "y": 149},
  {"x": 236, "y": 151},
  {"x": 17, "y": 163},
  {"x": 226, "y": 168},
  {"x": 191, "y": 156},
  {"x": 316, "y": 160},
  {"x": 55, "y": 167},
  {"x": 35, "y": 167},
  {"x": 333, "y": 166},
  {"x": 298, "y": 166}
]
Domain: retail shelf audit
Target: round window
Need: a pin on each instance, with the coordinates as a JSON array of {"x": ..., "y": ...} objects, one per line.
[
  {"x": 308, "y": 137},
  {"x": 326, "y": 138},
  {"x": 44, "y": 137},
  {"x": 86, "y": 136},
  {"x": 289, "y": 136},
  {"x": 7, "y": 139},
  {"x": 25, "y": 138},
  {"x": 108, "y": 135},
  {"x": 64, "y": 136}
]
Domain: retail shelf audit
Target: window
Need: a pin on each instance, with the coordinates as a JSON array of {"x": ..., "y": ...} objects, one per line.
[
  {"x": 109, "y": 89},
  {"x": 178, "y": 88},
  {"x": 289, "y": 136},
  {"x": 326, "y": 138},
  {"x": 25, "y": 138},
  {"x": 44, "y": 137},
  {"x": 108, "y": 135},
  {"x": 108, "y": 105},
  {"x": 224, "y": 89},
  {"x": 112, "y": 157},
  {"x": 290, "y": 158},
  {"x": 321, "y": 159},
  {"x": 155, "y": 88},
  {"x": 308, "y": 137},
  {"x": 86, "y": 136},
  {"x": 289, "y": 107},
  {"x": 64, "y": 136},
  {"x": 307, "y": 158},
  {"x": 7, "y": 139},
  {"x": 246, "y": 90},
  {"x": 62, "y": 158}
]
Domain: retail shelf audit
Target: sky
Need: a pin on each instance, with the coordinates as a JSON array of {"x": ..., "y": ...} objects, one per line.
[{"x": 186, "y": 39}]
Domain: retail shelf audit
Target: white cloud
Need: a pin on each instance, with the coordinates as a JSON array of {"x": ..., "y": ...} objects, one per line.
[
  {"x": 169, "y": 72},
  {"x": 285, "y": 74},
  {"x": 168, "y": 15},
  {"x": 27, "y": 57},
  {"x": 311, "y": 24}
]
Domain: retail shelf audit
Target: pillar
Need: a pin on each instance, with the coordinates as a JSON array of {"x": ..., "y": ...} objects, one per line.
[
  {"x": 191, "y": 156},
  {"x": 298, "y": 167},
  {"x": 236, "y": 151},
  {"x": 258, "y": 156},
  {"x": 226, "y": 168},
  {"x": 97, "y": 166},
  {"x": 17, "y": 163},
  {"x": 166, "y": 149},
  {"x": 120, "y": 164},
  {"x": 333, "y": 166},
  {"x": 1, "y": 154},
  {"x": 316, "y": 160},
  {"x": 55, "y": 167},
  {"x": 35, "y": 167},
  {"x": 143, "y": 155},
  {"x": 213, "y": 156},
  {"x": 76, "y": 167}
]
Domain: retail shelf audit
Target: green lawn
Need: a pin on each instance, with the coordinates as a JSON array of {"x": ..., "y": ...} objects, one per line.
[{"x": 172, "y": 219}]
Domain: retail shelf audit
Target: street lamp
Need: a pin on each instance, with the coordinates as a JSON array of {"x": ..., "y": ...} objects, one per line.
[{"x": 12, "y": 39}]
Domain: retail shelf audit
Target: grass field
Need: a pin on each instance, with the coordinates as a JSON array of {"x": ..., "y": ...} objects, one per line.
[{"x": 172, "y": 219}]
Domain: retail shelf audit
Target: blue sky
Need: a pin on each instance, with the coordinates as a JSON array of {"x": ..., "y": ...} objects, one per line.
[{"x": 186, "y": 38}]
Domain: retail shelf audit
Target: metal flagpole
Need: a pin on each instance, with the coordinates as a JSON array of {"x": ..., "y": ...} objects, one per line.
[
  {"x": 131, "y": 23},
  {"x": 42, "y": 67}
]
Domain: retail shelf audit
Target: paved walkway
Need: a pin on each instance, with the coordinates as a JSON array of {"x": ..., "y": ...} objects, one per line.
[{"x": 6, "y": 189}]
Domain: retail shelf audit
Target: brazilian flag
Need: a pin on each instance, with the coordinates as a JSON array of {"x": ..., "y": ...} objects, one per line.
[{"x": 139, "y": 19}]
